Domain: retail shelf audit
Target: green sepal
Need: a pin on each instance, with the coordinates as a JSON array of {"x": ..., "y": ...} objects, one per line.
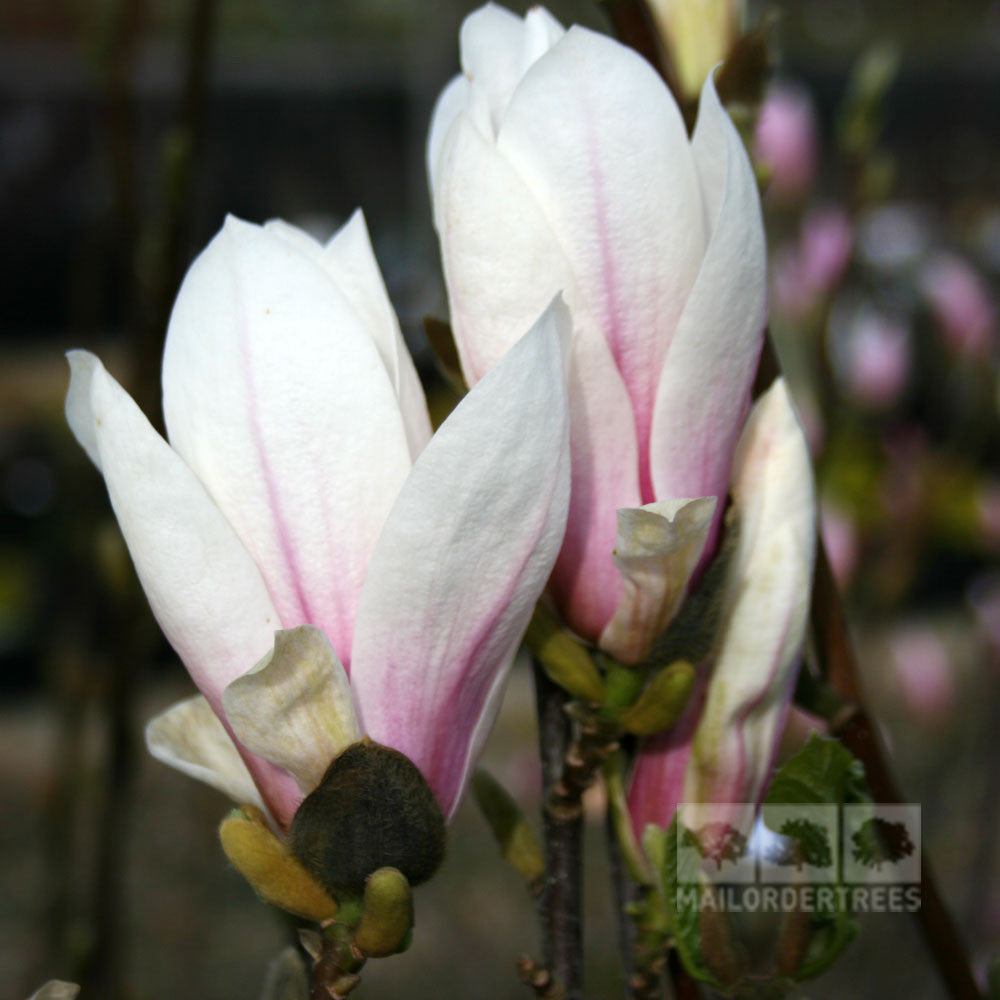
[
  {"x": 273, "y": 872},
  {"x": 562, "y": 657},
  {"x": 621, "y": 822},
  {"x": 622, "y": 684},
  {"x": 662, "y": 702},
  {"x": 518, "y": 844}
]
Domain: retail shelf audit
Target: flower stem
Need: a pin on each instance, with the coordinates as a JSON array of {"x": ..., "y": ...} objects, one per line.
[{"x": 560, "y": 898}]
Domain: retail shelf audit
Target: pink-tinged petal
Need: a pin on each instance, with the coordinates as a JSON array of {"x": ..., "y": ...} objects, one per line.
[
  {"x": 704, "y": 389},
  {"x": 753, "y": 675},
  {"x": 276, "y": 396},
  {"x": 503, "y": 265},
  {"x": 350, "y": 261},
  {"x": 295, "y": 707},
  {"x": 747, "y": 687},
  {"x": 596, "y": 137},
  {"x": 56, "y": 989},
  {"x": 462, "y": 560},
  {"x": 189, "y": 737},
  {"x": 656, "y": 786},
  {"x": 203, "y": 587},
  {"x": 656, "y": 551}
]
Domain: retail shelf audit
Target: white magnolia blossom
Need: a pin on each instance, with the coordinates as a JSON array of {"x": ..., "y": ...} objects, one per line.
[{"x": 301, "y": 487}]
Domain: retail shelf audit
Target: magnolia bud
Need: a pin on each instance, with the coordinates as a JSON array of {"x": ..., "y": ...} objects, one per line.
[
  {"x": 663, "y": 701},
  {"x": 387, "y": 916},
  {"x": 373, "y": 809}
]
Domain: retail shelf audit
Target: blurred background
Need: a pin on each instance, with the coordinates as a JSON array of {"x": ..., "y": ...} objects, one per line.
[{"x": 128, "y": 128}]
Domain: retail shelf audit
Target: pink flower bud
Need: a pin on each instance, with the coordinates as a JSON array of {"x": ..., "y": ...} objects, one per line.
[
  {"x": 923, "y": 672},
  {"x": 876, "y": 359},
  {"x": 785, "y": 141},
  {"x": 840, "y": 537},
  {"x": 961, "y": 303}
]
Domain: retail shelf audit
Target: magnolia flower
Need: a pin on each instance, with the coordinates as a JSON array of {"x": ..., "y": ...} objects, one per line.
[
  {"x": 722, "y": 749},
  {"x": 302, "y": 494},
  {"x": 558, "y": 161},
  {"x": 809, "y": 272}
]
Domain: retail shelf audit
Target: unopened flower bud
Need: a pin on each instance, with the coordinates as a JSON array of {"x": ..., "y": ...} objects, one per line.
[
  {"x": 373, "y": 809},
  {"x": 698, "y": 34},
  {"x": 387, "y": 916}
]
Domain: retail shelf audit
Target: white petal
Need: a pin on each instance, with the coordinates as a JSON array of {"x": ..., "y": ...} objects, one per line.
[
  {"x": 501, "y": 260},
  {"x": 296, "y": 237},
  {"x": 463, "y": 558},
  {"x": 498, "y": 47},
  {"x": 189, "y": 737},
  {"x": 276, "y": 396},
  {"x": 594, "y": 134},
  {"x": 350, "y": 261},
  {"x": 657, "y": 549},
  {"x": 704, "y": 390},
  {"x": 768, "y": 596},
  {"x": 79, "y": 415},
  {"x": 56, "y": 989},
  {"x": 203, "y": 587},
  {"x": 772, "y": 482},
  {"x": 449, "y": 105},
  {"x": 295, "y": 707}
]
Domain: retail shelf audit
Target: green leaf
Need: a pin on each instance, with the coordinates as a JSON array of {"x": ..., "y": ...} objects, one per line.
[
  {"x": 518, "y": 845},
  {"x": 823, "y": 771},
  {"x": 683, "y": 911}
]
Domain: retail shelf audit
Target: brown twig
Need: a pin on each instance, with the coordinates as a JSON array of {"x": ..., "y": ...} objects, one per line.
[
  {"x": 335, "y": 970},
  {"x": 539, "y": 979},
  {"x": 684, "y": 987},
  {"x": 559, "y": 903},
  {"x": 592, "y": 743}
]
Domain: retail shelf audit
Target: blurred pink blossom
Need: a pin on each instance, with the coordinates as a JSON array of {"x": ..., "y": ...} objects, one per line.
[
  {"x": 923, "y": 671},
  {"x": 984, "y": 597},
  {"x": 825, "y": 247},
  {"x": 815, "y": 266},
  {"x": 962, "y": 304},
  {"x": 840, "y": 536},
  {"x": 988, "y": 511},
  {"x": 876, "y": 359},
  {"x": 785, "y": 141}
]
